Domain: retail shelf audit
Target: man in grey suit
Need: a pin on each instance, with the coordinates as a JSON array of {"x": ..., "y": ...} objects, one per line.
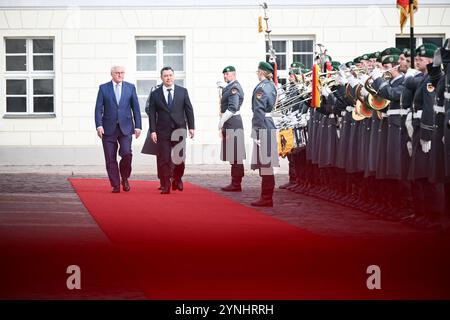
[{"x": 117, "y": 118}]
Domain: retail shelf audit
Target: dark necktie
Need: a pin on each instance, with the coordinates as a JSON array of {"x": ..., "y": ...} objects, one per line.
[{"x": 169, "y": 98}]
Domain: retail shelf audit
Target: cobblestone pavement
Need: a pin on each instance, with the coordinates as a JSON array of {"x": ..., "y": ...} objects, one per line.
[
  {"x": 41, "y": 207},
  {"x": 48, "y": 201}
]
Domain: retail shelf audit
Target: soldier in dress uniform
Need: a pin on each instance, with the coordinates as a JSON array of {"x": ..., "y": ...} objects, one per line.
[
  {"x": 397, "y": 157},
  {"x": 231, "y": 127},
  {"x": 423, "y": 191},
  {"x": 291, "y": 93},
  {"x": 265, "y": 150}
]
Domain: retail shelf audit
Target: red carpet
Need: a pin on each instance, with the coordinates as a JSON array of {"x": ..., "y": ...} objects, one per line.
[{"x": 196, "y": 244}]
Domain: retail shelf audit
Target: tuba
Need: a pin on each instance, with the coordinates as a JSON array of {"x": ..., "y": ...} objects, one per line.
[{"x": 375, "y": 102}]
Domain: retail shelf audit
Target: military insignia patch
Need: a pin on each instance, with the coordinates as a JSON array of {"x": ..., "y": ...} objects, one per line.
[
  {"x": 259, "y": 95},
  {"x": 430, "y": 87},
  {"x": 234, "y": 91}
]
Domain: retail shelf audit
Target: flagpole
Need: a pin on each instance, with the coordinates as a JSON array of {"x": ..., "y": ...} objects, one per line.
[{"x": 411, "y": 31}]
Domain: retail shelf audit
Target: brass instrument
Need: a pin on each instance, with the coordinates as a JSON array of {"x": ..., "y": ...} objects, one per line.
[{"x": 374, "y": 100}]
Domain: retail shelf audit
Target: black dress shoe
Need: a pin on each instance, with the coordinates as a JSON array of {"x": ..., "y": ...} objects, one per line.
[
  {"x": 125, "y": 185},
  {"x": 263, "y": 203},
  {"x": 232, "y": 188},
  {"x": 159, "y": 188},
  {"x": 115, "y": 189},
  {"x": 165, "y": 191},
  {"x": 180, "y": 185}
]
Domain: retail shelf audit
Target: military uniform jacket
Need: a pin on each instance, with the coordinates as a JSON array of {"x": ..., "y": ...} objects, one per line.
[
  {"x": 263, "y": 100},
  {"x": 232, "y": 98}
]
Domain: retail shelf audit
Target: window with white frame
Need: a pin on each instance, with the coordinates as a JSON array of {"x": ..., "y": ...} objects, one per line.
[
  {"x": 152, "y": 54},
  {"x": 29, "y": 76},
  {"x": 291, "y": 49},
  {"x": 402, "y": 41}
]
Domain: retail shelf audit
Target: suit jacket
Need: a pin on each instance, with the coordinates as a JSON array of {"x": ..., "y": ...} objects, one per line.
[
  {"x": 149, "y": 146},
  {"x": 164, "y": 120},
  {"x": 108, "y": 113}
]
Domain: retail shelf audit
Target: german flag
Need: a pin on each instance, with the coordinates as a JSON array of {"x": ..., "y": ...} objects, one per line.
[
  {"x": 405, "y": 10},
  {"x": 315, "y": 98}
]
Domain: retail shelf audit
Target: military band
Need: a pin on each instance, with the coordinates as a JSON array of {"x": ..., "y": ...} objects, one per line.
[{"x": 379, "y": 141}]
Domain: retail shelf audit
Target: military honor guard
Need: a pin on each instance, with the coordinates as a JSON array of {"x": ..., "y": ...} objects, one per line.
[
  {"x": 265, "y": 151},
  {"x": 231, "y": 128}
]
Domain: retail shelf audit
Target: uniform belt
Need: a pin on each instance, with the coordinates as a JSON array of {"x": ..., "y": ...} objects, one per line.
[
  {"x": 331, "y": 116},
  {"x": 268, "y": 114},
  {"x": 402, "y": 112},
  {"x": 236, "y": 113},
  {"x": 349, "y": 108},
  {"x": 438, "y": 109},
  {"x": 384, "y": 115},
  {"x": 447, "y": 95},
  {"x": 417, "y": 114}
]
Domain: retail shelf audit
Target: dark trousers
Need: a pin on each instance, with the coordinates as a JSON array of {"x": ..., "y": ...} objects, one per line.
[
  {"x": 110, "y": 145},
  {"x": 167, "y": 169}
]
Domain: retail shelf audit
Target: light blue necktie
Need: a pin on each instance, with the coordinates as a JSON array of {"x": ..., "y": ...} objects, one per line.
[{"x": 117, "y": 93}]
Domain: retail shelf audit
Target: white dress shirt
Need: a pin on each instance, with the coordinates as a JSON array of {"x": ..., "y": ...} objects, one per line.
[{"x": 166, "y": 93}]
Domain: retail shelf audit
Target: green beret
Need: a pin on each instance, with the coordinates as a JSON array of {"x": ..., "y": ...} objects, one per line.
[
  {"x": 228, "y": 69},
  {"x": 426, "y": 50},
  {"x": 431, "y": 46},
  {"x": 390, "y": 51},
  {"x": 357, "y": 60},
  {"x": 294, "y": 71},
  {"x": 265, "y": 66},
  {"x": 297, "y": 65},
  {"x": 406, "y": 52},
  {"x": 390, "y": 59},
  {"x": 335, "y": 65},
  {"x": 366, "y": 56},
  {"x": 377, "y": 55},
  {"x": 349, "y": 64}
]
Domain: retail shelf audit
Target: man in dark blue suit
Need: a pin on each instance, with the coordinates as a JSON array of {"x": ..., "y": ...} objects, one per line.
[
  {"x": 117, "y": 117},
  {"x": 170, "y": 110}
]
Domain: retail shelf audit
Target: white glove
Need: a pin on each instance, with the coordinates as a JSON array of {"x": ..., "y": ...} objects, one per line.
[
  {"x": 303, "y": 121},
  {"x": 326, "y": 91},
  {"x": 408, "y": 124},
  {"x": 341, "y": 80},
  {"x": 411, "y": 73},
  {"x": 338, "y": 133},
  {"x": 409, "y": 147},
  {"x": 364, "y": 92},
  {"x": 363, "y": 78},
  {"x": 258, "y": 142},
  {"x": 227, "y": 115},
  {"x": 437, "y": 59},
  {"x": 426, "y": 146},
  {"x": 353, "y": 81},
  {"x": 376, "y": 73},
  {"x": 221, "y": 84}
]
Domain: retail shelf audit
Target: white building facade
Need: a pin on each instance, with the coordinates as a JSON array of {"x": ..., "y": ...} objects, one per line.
[{"x": 55, "y": 54}]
